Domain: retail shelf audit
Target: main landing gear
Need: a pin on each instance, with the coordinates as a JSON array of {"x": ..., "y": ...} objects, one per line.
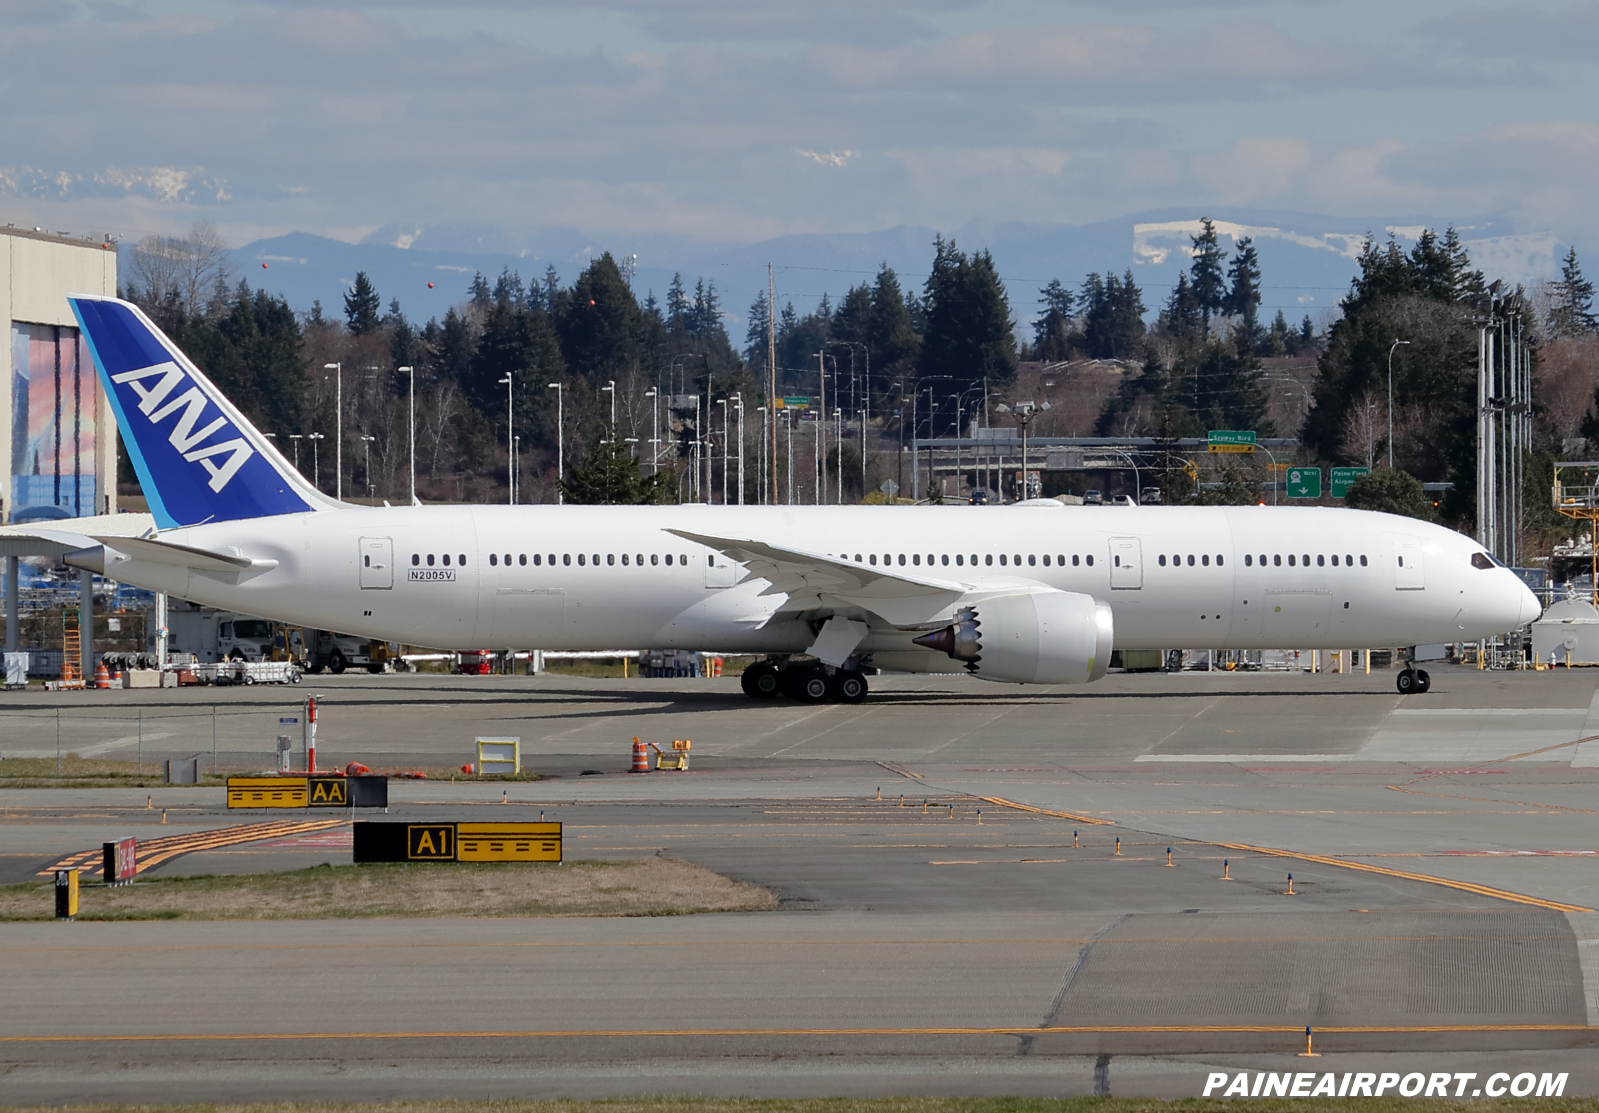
[
  {"x": 1414, "y": 682},
  {"x": 807, "y": 683}
]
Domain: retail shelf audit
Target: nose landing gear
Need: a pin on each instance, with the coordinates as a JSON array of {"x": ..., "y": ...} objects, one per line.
[{"x": 1413, "y": 682}]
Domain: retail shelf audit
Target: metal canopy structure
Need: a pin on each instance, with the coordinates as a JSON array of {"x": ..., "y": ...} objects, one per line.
[{"x": 1578, "y": 498}]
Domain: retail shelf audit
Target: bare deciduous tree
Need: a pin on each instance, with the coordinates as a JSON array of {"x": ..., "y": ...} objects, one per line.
[{"x": 188, "y": 267}]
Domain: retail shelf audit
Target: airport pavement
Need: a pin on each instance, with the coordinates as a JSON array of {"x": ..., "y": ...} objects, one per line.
[{"x": 1443, "y": 851}]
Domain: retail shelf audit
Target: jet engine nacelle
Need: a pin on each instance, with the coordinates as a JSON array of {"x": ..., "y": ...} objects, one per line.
[{"x": 1046, "y": 637}]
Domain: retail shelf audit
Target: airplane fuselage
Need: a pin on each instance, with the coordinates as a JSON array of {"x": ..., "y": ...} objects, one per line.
[{"x": 589, "y": 577}]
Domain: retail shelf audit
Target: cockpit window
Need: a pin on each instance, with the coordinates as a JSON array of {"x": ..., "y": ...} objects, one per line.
[{"x": 1481, "y": 560}]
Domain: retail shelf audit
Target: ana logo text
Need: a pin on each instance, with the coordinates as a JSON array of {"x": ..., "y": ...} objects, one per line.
[{"x": 190, "y": 407}]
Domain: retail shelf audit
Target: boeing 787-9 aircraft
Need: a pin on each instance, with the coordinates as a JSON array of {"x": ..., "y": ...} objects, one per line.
[{"x": 1035, "y": 593}]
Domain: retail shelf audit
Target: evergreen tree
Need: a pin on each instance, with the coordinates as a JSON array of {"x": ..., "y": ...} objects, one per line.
[
  {"x": 361, "y": 306},
  {"x": 676, "y": 304},
  {"x": 1391, "y": 491},
  {"x": 1243, "y": 296},
  {"x": 1206, "y": 271},
  {"x": 608, "y": 475},
  {"x": 1052, "y": 331},
  {"x": 1113, "y": 316},
  {"x": 600, "y": 323},
  {"x": 893, "y": 338},
  {"x": 508, "y": 290},
  {"x": 1572, "y": 311},
  {"x": 520, "y": 343},
  {"x": 479, "y": 292},
  {"x": 1182, "y": 317},
  {"x": 757, "y": 336},
  {"x": 967, "y": 337}
]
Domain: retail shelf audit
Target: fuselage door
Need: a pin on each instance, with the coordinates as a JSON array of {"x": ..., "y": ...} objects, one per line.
[
  {"x": 1126, "y": 562},
  {"x": 1409, "y": 572},
  {"x": 377, "y": 562}
]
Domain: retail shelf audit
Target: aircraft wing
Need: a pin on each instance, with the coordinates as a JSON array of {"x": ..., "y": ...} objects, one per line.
[
  {"x": 817, "y": 580},
  {"x": 228, "y": 566}
]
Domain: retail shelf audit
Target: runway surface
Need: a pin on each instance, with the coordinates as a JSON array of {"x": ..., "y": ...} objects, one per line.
[{"x": 1443, "y": 851}]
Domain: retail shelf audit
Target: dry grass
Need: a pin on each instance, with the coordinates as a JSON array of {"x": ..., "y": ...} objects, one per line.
[
  {"x": 650, "y": 887},
  {"x": 882, "y": 1105},
  {"x": 79, "y": 772}
]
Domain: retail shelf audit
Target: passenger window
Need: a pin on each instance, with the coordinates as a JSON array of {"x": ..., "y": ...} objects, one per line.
[
  {"x": 989, "y": 559},
  {"x": 462, "y": 561},
  {"x": 1002, "y": 559},
  {"x": 1321, "y": 561},
  {"x": 1218, "y": 560},
  {"x": 668, "y": 559},
  {"x": 655, "y": 558},
  {"x": 415, "y": 559},
  {"x": 610, "y": 558},
  {"x": 1046, "y": 560},
  {"x": 597, "y": 560},
  {"x": 1349, "y": 560},
  {"x": 1249, "y": 561},
  {"x": 1163, "y": 560},
  {"x": 872, "y": 558},
  {"x": 681, "y": 559},
  {"x": 566, "y": 558},
  {"x": 959, "y": 559},
  {"x": 1060, "y": 560},
  {"x": 902, "y": 559},
  {"x": 1277, "y": 560},
  {"x": 1290, "y": 560},
  {"x": 1017, "y": 560},
  {"x": 580, "y": 559},
  {"x": 493, "y": 560},
  {"x": 1205, "y": 560},
  {"x": 624, "y": 560},
  {"x": 508, "y": 560},
  {"x": 537, "y": 559},
  {"x": 1363, "y": 560},
  {"x": 552, "y": 560},
  {"x": 446, "y": 560},
  {"x": 1090, "y": 559},
  {"x": 1074, "y": 560},
  {"x": 1263, "y": 560},
  {"x": 430, "y": 560},
  {"x": 639, "y": 560},
  {"x": 1032, "y": 561},
  {"x": 1190, "y": 560},
  {"x": 945, "y": 558},
  {"x": 1335, "y": 560},
  {"x": 916, "y": 558}
]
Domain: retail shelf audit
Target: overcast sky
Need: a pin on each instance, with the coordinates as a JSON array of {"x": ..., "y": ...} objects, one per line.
[{"x": 732, "y": 120}]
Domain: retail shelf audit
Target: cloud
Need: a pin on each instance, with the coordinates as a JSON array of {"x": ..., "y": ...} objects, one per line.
[{"x": 838, "y": 159}]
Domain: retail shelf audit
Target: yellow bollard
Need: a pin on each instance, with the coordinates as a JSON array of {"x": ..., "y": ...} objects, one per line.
[
  {"x": 505, "y": 796},
  {"x": 1168, "y": 856},
  {"x": 1290, "y": 885},
  {"x": 163, "y": 815},
  {"x": 148, "y": 804},
  {"x": 1365, "y": 655},
  {"x": 1074, "y": 838},
  {"x": 979, "y": 817},
  {"x": 879, "y": 792},
  {"x": 1226, "y": 871},
  {"x": 1568, "y": 658},
  {"x": 1118, "y": 844},
  {"x": 924, "y": 805},
  {"x": 1308, "y": 1053},
  {"x": 952, "y": 811},
  {"x": 902, "y": 799}
]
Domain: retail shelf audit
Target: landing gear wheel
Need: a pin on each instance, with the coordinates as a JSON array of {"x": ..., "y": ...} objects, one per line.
[
  {"x": 1408, "y": 682},
  {"x": 849, "y": 686},
  {"x": 336, "y": 663},
  {"x": 1423, "y": 682},
  {"x": 812, "y": 686},
  {"x": 761, "y": 681}
]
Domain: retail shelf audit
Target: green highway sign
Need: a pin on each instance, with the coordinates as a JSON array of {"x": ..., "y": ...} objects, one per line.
[
  {"x": 1342, "y": 478},
  {"x": 1304, "y": 483},
  {"x": 1232, "y": 436},
  {"x": 800, "y": 403}
]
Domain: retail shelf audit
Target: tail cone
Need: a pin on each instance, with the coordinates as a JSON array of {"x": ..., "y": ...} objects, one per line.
[{"x": 942, "y": 641}]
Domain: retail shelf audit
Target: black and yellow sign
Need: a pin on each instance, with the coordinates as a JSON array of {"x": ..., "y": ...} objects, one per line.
[
  {"x": 66, "y": 894},
  {"x": 327, "y": 792},
  {"x": 508, "y": 842},
  {"x": 457, "y": 842},
  {"x": 267, "y": 792},
  {"x": 430, "y": 842}
]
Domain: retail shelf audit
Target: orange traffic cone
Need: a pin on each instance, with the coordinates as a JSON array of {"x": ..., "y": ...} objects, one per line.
[
  {"x": 641, "y": 757},
  {"x": 102, "y": 678}
]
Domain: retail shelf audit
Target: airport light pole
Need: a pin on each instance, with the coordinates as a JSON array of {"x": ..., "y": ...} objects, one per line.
[
  {"x": 410, "y": 376},
  {"x": 296, "y": 438},
  {"x": 338, "y": 426},
  {"x": 560, "y": 442},
  {"x": 760, "y": 466},
  {"x": 723, "y": 403},
  {"x": 740, "y": 396},
  {"x": 316, "y": 440},
  {"x": 510, "y": 443},
  {"x": 1391, "y": 348},
  {"x": 366, "y": 446},
  {"x": 610, "y": 388},
  {"x": 654, "y": 395}
]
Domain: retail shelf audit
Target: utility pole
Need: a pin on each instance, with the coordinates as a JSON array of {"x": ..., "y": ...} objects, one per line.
[
  {"x": 771, "y": 370},
  {"x": 654, "y": 395},
  {"x": 821, "y": 429},
  {"x": 560, "y": 442},
  {"x": 338, "y": 425},
  {"x": 740, "y": 397},
  {"x": 410, "y": 376},
  {"x": 510, "y": 444}
]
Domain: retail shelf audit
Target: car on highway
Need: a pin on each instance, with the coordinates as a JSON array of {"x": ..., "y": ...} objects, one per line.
[{"x": 1093, "y": 497}]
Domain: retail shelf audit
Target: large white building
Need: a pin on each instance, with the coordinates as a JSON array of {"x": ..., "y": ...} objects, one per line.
[{"x": 58, "y": 437}]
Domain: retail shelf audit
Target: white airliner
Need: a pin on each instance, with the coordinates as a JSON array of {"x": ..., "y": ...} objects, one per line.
[{"x": 1036, "y": 593}]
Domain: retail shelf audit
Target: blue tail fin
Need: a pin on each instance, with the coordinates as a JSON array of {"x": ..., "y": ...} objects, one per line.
[{"x": 198, "y": 458}]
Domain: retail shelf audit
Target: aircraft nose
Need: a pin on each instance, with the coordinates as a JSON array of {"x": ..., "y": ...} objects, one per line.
[{"x": 1529, "y": 607}]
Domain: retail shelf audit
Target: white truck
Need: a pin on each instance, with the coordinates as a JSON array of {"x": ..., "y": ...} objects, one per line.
[{"x": 214, "y": 636}]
